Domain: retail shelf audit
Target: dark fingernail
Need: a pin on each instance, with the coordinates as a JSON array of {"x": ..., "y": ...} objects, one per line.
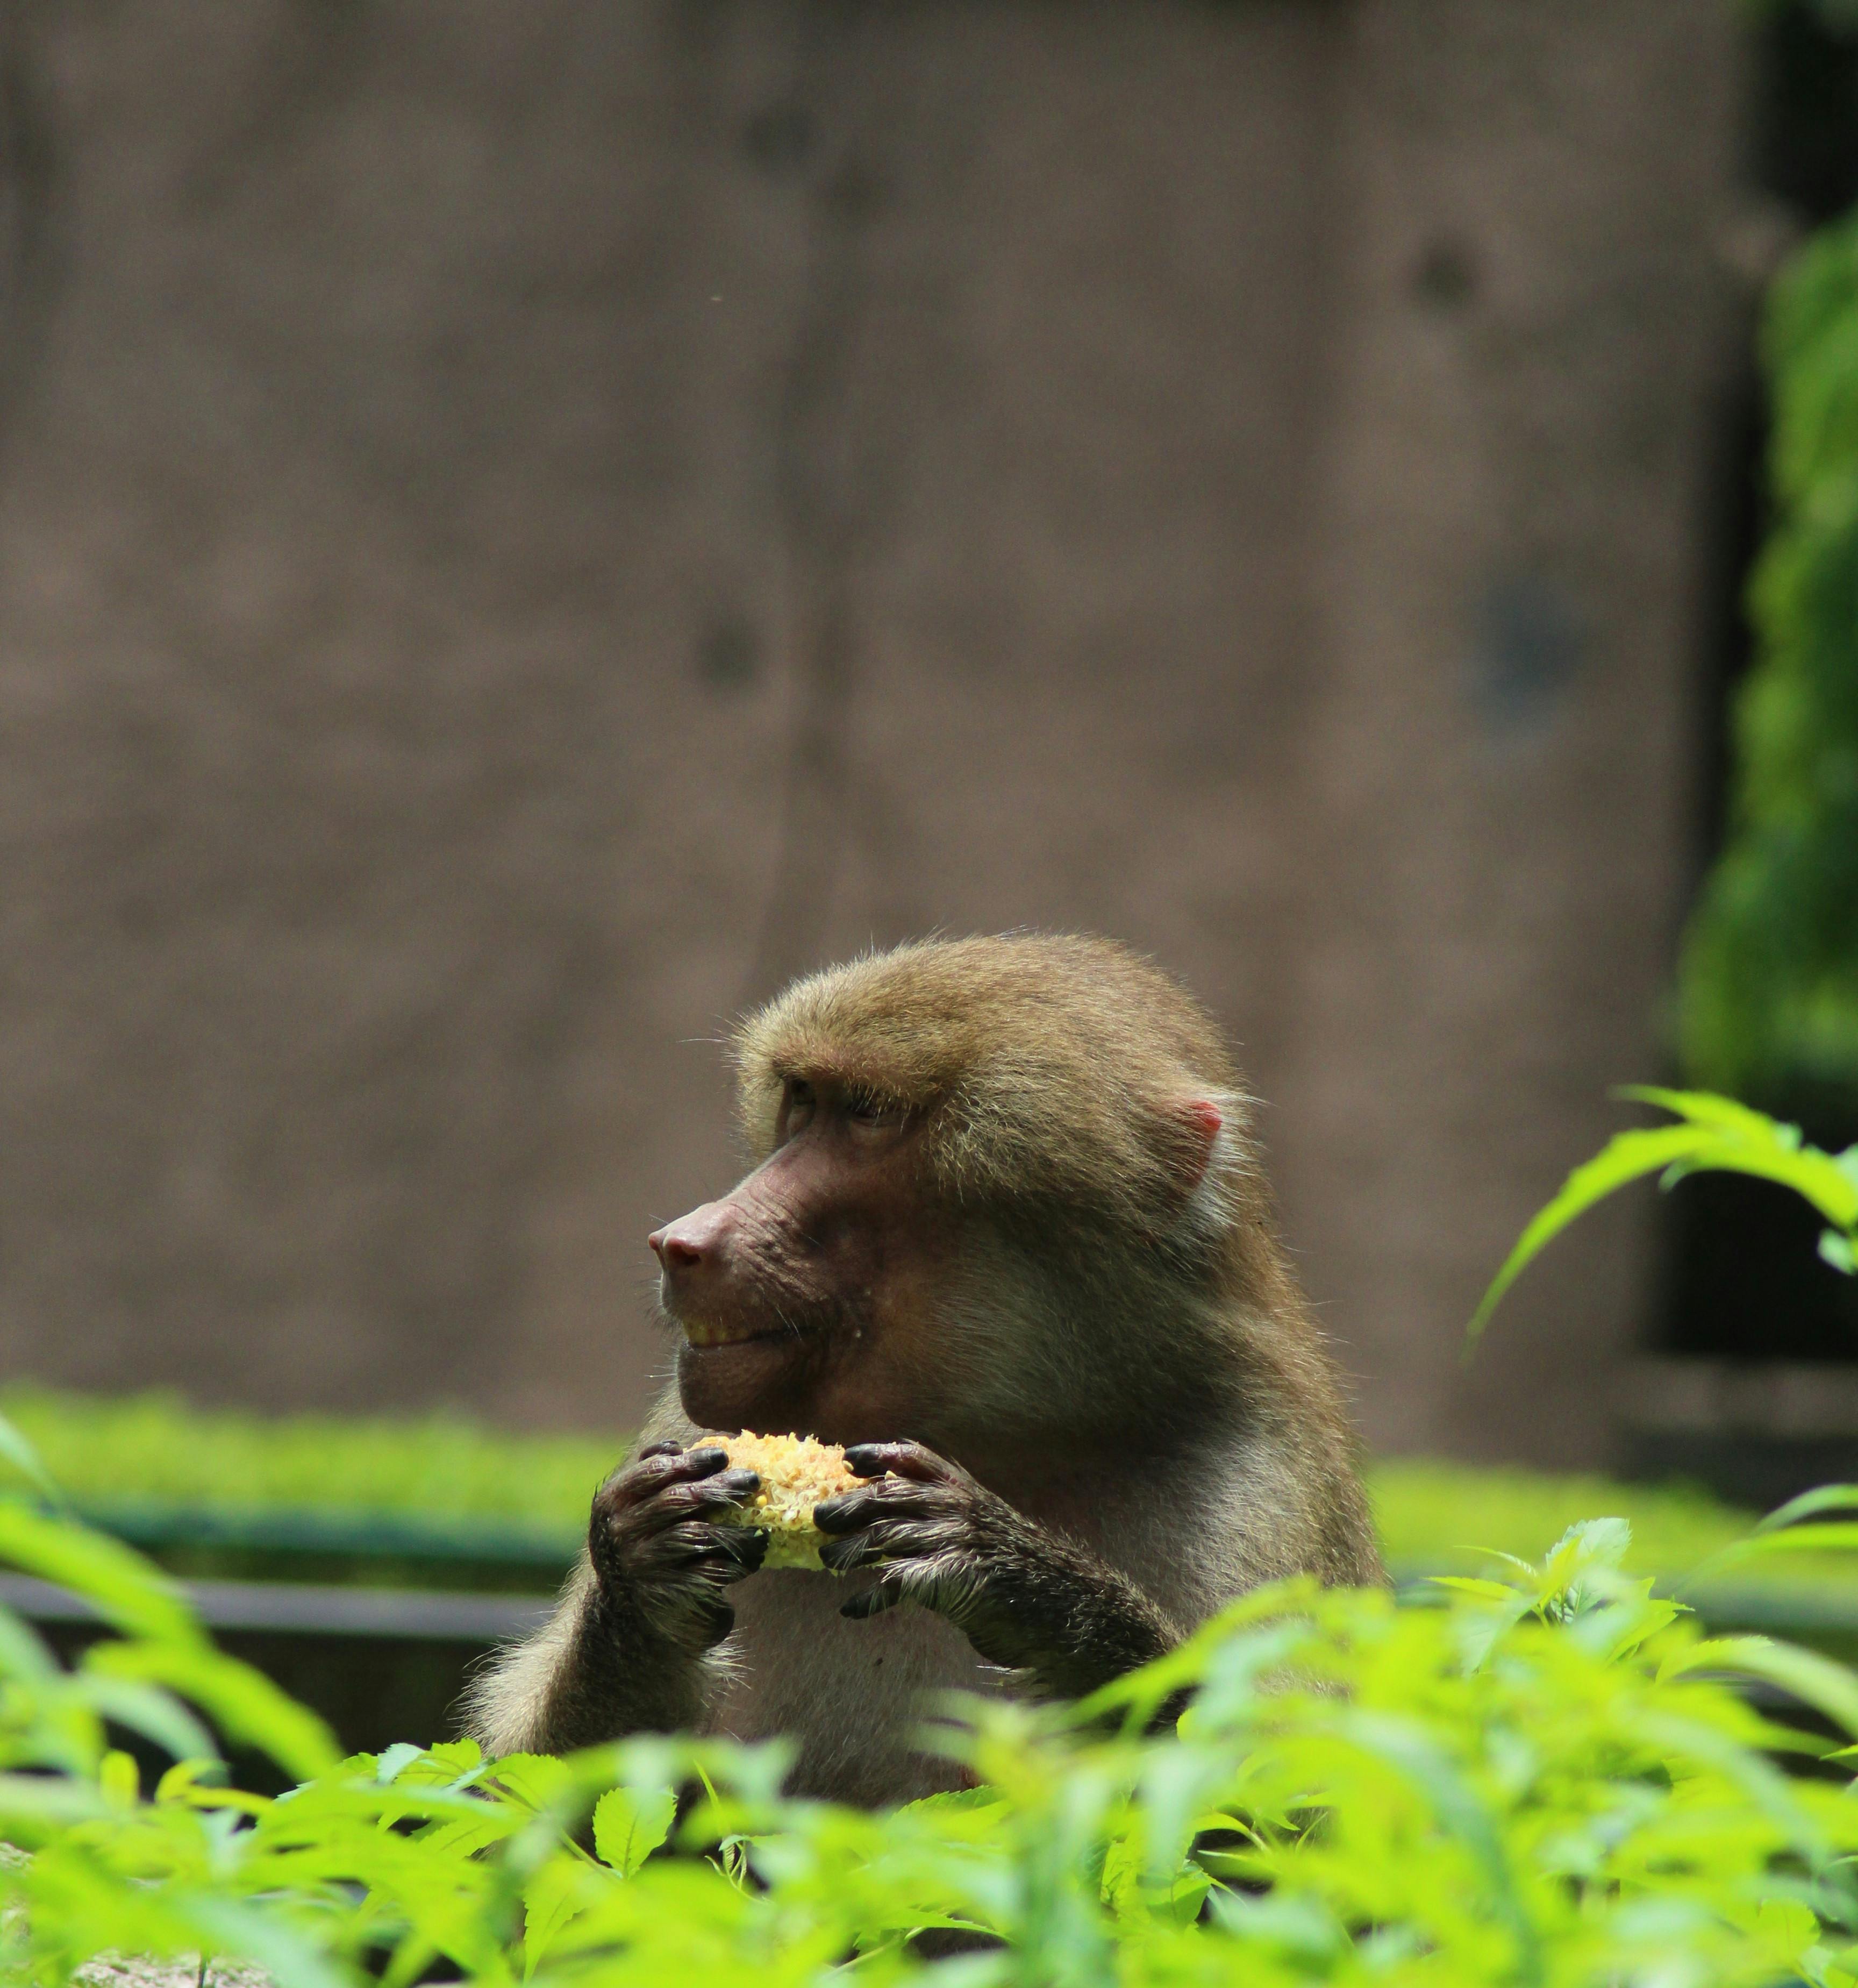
[
  {"x": 746, "y": 1547},
  {"x": 861, "y": 1608},
  {"x": 739, "y": 1483},
  {"x": 836, "y": 1514},
  {"x": 865, "y": 1459},
  {"x": 661, "y": 1449},
  {"x": 707, "y": 1463},
  {"x": 838, "y": 1555}
]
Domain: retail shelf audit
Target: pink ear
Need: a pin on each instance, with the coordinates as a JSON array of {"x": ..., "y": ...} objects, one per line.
[{"x": 1201, "y": 1118}]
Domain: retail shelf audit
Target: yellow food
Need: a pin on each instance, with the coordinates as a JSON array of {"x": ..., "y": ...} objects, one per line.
[{"x": 796, "y": 1474}]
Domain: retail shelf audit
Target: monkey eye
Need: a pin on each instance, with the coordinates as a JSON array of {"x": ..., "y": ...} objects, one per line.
[
  {"x": 796, "y": 1107},
  {"x": 861, "y": 1108}
]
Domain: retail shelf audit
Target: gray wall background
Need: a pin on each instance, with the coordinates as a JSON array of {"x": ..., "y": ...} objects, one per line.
[{"x": 524, "y": 523}]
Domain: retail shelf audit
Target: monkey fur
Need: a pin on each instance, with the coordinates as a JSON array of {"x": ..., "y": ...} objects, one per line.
[{"x": 1006, "y": 1239}]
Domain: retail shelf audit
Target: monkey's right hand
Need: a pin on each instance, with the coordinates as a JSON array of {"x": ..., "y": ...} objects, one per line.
[{"x": 661, "y": 1561}]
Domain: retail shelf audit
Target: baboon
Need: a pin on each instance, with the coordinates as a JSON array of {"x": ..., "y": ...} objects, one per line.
[{"x": 1007, "y": 1237}]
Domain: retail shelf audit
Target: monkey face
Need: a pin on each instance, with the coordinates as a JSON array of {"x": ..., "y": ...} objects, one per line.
[{"x": 805, "y": 1297}]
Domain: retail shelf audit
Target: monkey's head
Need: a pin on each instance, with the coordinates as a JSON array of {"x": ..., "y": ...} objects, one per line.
[{"x": 1003, "y": 1188}]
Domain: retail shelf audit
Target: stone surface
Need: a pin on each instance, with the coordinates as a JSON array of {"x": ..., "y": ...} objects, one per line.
[
  {"x": 522, "y": 524},
  {"x": 130, "y": 1971}
]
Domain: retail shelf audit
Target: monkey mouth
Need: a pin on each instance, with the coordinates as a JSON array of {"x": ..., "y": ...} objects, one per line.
[
  {"x": 707, "y": 1332},
  {"x": 749, "y": 1368}
]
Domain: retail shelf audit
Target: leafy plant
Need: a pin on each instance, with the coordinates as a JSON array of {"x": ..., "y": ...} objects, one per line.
[
  {"x": 1769, "y": 985},
  {"x": 162, "y": 1471},
  {"x": 1550, "y": 1776},
  {"x": 155, "y": 1448},
  {"x": 1714, "y": 1135},
  {"x": 1547, "y": 1777}
]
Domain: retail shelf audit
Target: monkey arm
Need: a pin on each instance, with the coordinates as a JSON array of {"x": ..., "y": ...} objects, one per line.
[
  {"x": 1026, "y": 1597},
  {"x": 625, "y": 1651},
  {"x": 589, "y": 1674}
]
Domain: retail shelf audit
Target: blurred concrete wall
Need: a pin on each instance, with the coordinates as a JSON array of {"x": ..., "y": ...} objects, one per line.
[{"x": 522, "y": 523}]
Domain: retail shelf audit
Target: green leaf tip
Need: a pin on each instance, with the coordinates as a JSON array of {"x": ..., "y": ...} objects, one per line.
[{"x": 1714, "y": 1135}]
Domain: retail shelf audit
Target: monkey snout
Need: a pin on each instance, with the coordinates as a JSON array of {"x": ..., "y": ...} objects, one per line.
[
  {"x": 675, "y": 1252},
  {"x": 695, "y": 1245},
  {"x": 702, "y": 1260}
]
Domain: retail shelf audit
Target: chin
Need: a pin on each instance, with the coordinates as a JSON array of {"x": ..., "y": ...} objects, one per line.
[{"x": 766, "y": 1384}]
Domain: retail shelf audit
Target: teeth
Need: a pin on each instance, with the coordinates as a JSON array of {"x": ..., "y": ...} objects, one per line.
[{"x": 706, "y": 1332}]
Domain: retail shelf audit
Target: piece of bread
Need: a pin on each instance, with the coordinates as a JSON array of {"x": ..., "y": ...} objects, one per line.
[{"x": 796, "y": 1474}]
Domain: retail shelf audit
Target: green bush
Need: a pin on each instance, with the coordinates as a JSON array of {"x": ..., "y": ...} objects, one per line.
[
  {"x": 1435, "y": 1516},
  {"x": 154, "y": 1449},
  {"x": 152, "y": 1457},
  {"x": 1769, "y": 987},
  {"x": 442, "y": 1500},
  {"x": 446, "y": 1501},
  {"x": 1548, "y": 1778}
]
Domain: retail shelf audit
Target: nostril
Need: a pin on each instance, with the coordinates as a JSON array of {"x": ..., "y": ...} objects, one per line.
[
  {"x": 674, "y": 1250},
  {"x": 697, "y": 1242}
]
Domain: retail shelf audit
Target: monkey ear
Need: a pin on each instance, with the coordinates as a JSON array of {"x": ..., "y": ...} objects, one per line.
[{"x": 1199, "y": 1122}]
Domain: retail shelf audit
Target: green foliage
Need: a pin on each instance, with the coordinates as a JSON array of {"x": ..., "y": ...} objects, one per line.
[
  {"x": 1546, "y": 1778},
  {"x": 1714, "y": 1133},
  {"x": 1435, "y": 1517},
  {"x": 1768, "y": 988},
  {"x": 153, "y": 1448},
  {"x": 1717, "y": 1133},
  {"x": 211, "y": 1473}
]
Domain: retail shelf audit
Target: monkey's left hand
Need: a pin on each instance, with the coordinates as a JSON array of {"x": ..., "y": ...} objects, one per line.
[{"x": 1026, "y": 1597}]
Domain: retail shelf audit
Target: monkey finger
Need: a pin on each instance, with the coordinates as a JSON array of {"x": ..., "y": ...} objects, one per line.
[
  {"x": 842, "y": 1556},
  {"x": 905, "y": 1459},
  {"x": 872, "y": 1601},
  {"x": 881, "y": 1543},
  {"x": 885, "y": 1499},
  {"x": 698, "y": 1620},
  {"x": 845, "y": 1513},
  {"x": 742, "y": 1548},
  {"x": 683, "y": 1466},
  {"x": 660, "y": 1449},
  {"x": 724, "y": 1558},
  {"x": 719, "y": 1620},
  {"x": 728, "y": 1487},
  {"x": 684, "y": 1544},
  {"x": 636, "y": 1482},
  {"x": 722, "y": 1553},
  {"x": 673, "y": 1503}
]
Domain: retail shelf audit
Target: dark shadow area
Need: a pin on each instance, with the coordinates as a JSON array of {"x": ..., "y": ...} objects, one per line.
[
  {"x": 1742, "y": 1280},
  {"x": 1805, "y": 125},
  {"x": 1745, "y": 1279},
  {"x": 372, "y": 1690}
]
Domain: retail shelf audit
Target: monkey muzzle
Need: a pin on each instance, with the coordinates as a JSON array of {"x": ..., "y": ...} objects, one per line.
[{"x": 700, "y": 1280}]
